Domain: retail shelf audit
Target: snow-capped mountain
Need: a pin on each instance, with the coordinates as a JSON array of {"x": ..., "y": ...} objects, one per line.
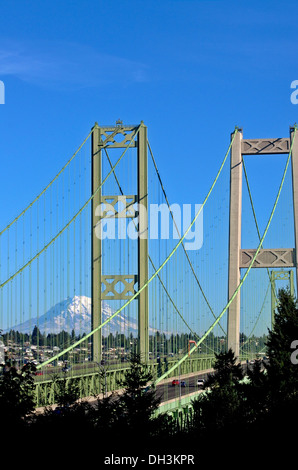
[{"x": 75, "y": 314}]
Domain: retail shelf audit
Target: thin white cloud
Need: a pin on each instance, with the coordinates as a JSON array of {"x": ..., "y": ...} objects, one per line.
[{"x": 68, "y": 65}]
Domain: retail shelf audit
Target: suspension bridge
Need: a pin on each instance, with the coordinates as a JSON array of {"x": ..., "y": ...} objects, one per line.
[{"x": 102, "y": 264}]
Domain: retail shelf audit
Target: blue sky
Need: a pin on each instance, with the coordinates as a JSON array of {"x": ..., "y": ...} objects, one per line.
[{"x": 191, "y": 70}]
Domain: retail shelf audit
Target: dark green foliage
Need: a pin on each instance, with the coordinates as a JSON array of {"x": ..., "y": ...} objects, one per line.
[
  {"x": 138, "y": 401},
  {"x": 254, "y": 397},
  {"x": 260, "y": 409},
  {"x": 37, "y": 338},
  {"x": 67, "y": 392},
  {"x": 16, "y": 395},
  {"x": 105, "y": 415},
  {"x": 227, "y": 371},
  {"x": 218, "y": 407},
  {"x": 61, "y": 339},
  {"x": 68, "y": 414},
  {"x": 282, "y": 373},
  {"x": 266, "y": 403}
]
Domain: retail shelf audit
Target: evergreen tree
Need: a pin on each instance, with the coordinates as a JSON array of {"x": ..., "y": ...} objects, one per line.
[
  {"x": 138, "y": 401},
  {"x": 226, "y": 371},
  {"x": 67, "y": 392},
  {"x": 218, "y": 410},
  {"x": 16, "y": 396},
  {"x": 255, "y": 398},
  {"x": 282, "y": 372},
  {"x": 37, "y": 337}
]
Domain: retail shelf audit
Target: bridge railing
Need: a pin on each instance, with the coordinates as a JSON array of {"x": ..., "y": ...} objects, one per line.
[{"x": 96, "y": 384}]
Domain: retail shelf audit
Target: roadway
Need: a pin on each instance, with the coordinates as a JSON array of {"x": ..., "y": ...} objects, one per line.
[{"x": 166, "y": 391}]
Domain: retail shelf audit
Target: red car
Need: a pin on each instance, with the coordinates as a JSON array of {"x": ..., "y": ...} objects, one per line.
[{"x": 175, "y": 382}]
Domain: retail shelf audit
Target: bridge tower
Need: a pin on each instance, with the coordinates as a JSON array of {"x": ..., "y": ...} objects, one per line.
[
  {"x": 120, "y": 137},
  {"x": 266, "y": 258},
  {"x": 277, "y": 275}
]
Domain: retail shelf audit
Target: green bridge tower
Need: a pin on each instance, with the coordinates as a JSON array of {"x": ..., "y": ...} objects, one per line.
[{"x": 103, "y": 286}]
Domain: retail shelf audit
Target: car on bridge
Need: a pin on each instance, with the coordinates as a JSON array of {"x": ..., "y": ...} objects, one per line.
[
  {"x": 177, "y": 382},
  {"x": 66, "y": 367},
  {"x": 200, "y": 383}
]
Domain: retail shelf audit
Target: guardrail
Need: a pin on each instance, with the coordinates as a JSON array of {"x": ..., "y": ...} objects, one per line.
[{"x": 96, "y": 383}]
